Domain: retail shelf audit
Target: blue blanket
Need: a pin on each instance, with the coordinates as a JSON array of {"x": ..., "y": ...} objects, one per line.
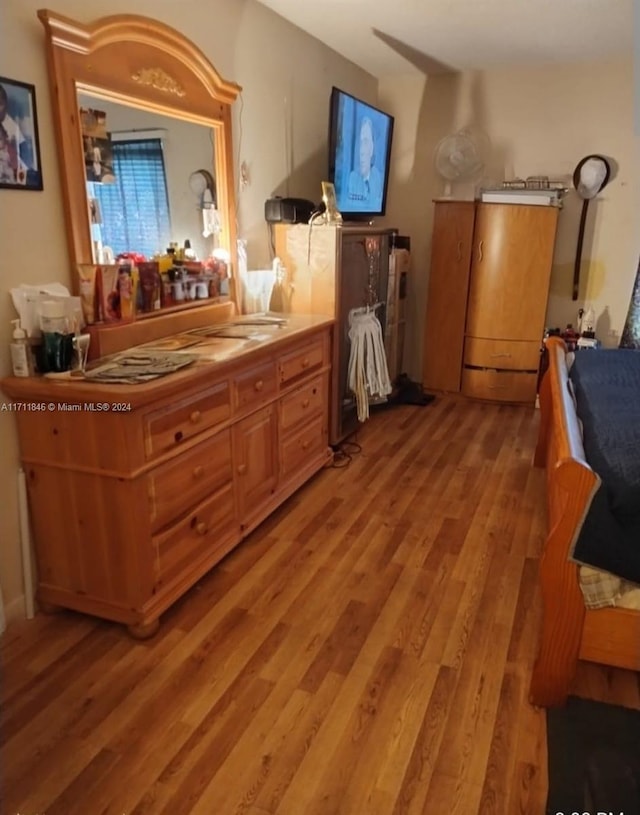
[{"x": 607, "y": 389}]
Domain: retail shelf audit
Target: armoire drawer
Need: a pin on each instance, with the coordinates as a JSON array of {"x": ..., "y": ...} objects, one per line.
[
  {"x": 499, "y": 386},
  {"x": 510, "y": 355}
]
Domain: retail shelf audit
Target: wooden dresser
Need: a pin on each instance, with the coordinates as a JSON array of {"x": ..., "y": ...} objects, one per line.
[
  {"x": 487, "y": 298},
  {"x": 136, "y": 491}
]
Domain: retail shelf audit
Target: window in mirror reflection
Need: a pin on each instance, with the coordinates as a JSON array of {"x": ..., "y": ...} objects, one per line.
[
  {"x": 185, "y": 147},
  {"x": 130, "y": 206}
]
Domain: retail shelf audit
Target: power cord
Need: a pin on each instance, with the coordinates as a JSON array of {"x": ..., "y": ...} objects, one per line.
[
  {"x": 239, "y": 156},
  {"x": 344, "y": 452}
]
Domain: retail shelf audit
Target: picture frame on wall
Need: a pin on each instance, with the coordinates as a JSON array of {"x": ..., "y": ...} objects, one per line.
[{"x": 20, "y": 163}]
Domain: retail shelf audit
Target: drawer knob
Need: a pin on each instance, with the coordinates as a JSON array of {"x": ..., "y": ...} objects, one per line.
[
  {"x": 259, "y": 385},
  {"x": 201, "y": 528},
  {"x": 198, "y": 471},
  {"x": 306, "y": 362},
  {"x": 242, "y": 468},
  {"x": 305, "y": 444},
  {"x": 305, "y": 403},
  {"x": 508, "y": 356},
  {"x": 195, "y": 417}
]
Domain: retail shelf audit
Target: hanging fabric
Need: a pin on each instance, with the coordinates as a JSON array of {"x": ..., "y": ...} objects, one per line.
[{"x": 368, "y": 375}]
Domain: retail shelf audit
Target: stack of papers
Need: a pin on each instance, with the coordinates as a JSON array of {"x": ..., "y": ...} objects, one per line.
[{"x": 138, "y": 367}]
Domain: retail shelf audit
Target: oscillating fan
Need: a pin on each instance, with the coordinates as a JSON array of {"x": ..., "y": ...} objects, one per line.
[{"x": 458, "y": 158}]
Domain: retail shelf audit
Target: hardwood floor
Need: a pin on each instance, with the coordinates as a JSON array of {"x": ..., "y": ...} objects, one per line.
[{"x": 366, "y": 652}]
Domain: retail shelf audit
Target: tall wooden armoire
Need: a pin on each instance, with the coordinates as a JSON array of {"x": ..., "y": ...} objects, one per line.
[{"x": 487, "y": 298}]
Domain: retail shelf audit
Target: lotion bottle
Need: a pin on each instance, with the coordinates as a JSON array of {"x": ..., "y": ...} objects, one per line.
[{"x": 20, "y": 351}]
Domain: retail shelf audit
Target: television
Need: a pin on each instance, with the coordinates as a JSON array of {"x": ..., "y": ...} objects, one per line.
[{"x": 359, "y": 151}]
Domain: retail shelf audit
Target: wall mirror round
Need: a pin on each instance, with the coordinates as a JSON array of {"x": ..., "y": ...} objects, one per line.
[{"x": 156, "y": 87}]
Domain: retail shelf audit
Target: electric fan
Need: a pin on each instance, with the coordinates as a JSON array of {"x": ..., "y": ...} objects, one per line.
[{"x": 458, "y": 158}]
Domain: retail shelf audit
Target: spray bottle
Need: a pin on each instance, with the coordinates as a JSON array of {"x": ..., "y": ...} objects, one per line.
[{"x": 20, "y": 351}]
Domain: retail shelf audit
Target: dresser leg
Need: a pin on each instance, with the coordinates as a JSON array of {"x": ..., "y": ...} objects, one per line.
[{"x": 143, "y": 631}]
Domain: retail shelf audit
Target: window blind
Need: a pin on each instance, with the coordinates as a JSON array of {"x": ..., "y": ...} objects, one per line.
[{"x": 135, "y": 208}]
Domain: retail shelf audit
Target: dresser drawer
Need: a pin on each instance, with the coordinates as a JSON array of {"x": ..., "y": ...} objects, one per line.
[
  {"x": 255, "y": 388},
  {"x": 178, "y": 485},
  {"x": 302, "y": 445},
  {"x": 502, "y": 354},
  {"x": 499, "y": 386},
  {"x": 302, "y": 404},
  {"x": 180, "y": 420},
  {"x": 185, "y": 545},
  {"x": 301, "y": 362}
]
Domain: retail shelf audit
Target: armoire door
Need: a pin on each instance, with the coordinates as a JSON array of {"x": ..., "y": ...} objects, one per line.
[
  {"x": 510, "y": 270},
  {"x": 447, "y": 294}
]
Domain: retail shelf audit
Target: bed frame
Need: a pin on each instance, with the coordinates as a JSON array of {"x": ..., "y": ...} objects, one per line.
[{"x": 570, "y": 631}]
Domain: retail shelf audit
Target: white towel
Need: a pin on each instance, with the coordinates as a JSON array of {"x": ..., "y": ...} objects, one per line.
[{"x": 368, "y": 374}]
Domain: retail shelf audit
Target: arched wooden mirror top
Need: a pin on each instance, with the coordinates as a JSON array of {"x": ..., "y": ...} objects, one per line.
[{"x": 146, "y": 65}]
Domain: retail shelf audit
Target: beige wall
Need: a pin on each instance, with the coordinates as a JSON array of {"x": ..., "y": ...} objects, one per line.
[
  {"x": 286, "y": 76},
  {"x": 539, "y": 120}
]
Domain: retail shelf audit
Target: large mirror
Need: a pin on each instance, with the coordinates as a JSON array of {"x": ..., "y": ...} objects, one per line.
[
  {"x": 153, "y": 89},
  {"x": 150, "y": 181}
]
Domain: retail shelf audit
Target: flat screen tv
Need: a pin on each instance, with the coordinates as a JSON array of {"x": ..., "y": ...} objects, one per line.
[{"x": 359, "y": 150}]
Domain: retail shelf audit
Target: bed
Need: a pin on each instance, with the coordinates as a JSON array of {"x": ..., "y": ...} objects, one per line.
[{"x": 570, "y": 630}]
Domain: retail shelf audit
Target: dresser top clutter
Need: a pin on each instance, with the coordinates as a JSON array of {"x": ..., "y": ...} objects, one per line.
[{"x": 214, "y": 349}]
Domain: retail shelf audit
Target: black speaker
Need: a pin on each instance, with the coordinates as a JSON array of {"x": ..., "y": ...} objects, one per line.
[{"x": 288, "y": 210}]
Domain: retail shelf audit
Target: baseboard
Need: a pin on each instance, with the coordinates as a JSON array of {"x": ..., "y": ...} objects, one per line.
[{"x": 14, "y": 610}]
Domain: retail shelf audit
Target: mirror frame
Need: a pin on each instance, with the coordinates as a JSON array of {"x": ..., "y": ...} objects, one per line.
[{"x": 140, "y": 62}]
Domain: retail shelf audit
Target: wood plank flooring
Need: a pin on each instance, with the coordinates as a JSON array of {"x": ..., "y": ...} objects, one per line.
[{"x": 366, "y": 651}]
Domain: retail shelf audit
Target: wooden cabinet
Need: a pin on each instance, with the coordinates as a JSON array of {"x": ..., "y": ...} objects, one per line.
[
  {"x": 331, "y": 270},
  {"x": 132, "y": 504},
  {"x": 488, "y": 290},
  {"x": 510, "y": 270},
  {"x": 447, "y": 295}
]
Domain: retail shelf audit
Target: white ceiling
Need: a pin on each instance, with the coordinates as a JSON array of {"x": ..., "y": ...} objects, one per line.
[{"x": 387, "y": 37}]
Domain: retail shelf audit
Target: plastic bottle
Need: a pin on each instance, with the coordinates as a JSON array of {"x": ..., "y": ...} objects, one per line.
[
  {"x": 20, "y": 351},
  {"x": 57, "y": 340},
  {"x": 189, "y": 253}
]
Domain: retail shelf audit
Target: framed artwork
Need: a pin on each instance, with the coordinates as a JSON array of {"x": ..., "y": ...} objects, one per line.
[{"x": 20, "y": 164}]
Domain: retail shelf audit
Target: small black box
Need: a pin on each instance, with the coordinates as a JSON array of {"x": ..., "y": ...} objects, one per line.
[{"x": 288, "y": 210}]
